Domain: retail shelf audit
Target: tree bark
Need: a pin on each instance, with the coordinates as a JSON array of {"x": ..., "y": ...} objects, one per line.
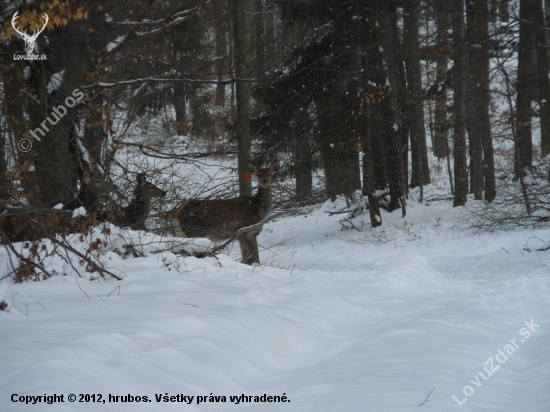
[
  {"x": 402, "y": 95},
  {"x": 243, "y": 115},
  {"x": 55, "y": 166},
  {"x": 542, "y": 77},
  {"x": 368, "y": 177},
  {"x": 259, "y": 18},
  {"x": 394, "y": 144},
  {"x": 374, "y": 68},
  {"x": 419, "y": 155},
  {"x": 303, "y": 155},
  {"x": 459, "y": 145},
  {"x": 503, "y": 11},
  {"x": 524, "y": 154},
  {"x": 441, "y": 142},
  {"x": 221, "y": 39},
  {"x": 479, "y": 127}
]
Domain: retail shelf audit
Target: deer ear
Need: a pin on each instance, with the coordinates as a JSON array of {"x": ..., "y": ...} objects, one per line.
[
  {"x": 140, "y": 178},
  {"x": 252, "y": 167},
  {"x": 275, "y": 166}
]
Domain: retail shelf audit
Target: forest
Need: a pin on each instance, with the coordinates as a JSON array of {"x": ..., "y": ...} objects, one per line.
[
  {"x": 323, "y": 141},
  {"x": 360, "y": 99}
]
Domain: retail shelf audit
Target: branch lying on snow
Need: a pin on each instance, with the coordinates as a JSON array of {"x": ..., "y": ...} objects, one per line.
[
  {"x": 427, "y": 397},
  {"x": 46, "y": 233},
  {"x": 256, "y": 227}
]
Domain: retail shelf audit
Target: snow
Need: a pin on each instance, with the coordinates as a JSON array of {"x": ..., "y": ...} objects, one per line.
[
  {"x": 379, "y": 319},
  {"x": 55, "y": 81},
  {"x": 111, "y": 45}
]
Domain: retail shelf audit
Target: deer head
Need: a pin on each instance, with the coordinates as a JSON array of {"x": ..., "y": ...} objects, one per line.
[
  {"x": 264, "y": 175},
  {"x": 30, "y": 40}
]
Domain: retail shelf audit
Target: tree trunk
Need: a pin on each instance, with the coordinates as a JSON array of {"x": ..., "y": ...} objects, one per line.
[
  {"x": 259, "y": 18},
  {"x": 222, "y": 66},
  {"x": 4, "y": 183},
  {"x": 524, "y": 157},
  {"x": 542, "y": 77},
  {"x": 374, "y": 68},
  {"x": 368, "y": 177},
  {"x": 402, "y": 95},
  {"x": 475, "y": 147},
  {"x": 479, "y": 127},
  {"x": 459, "y": 146},
  {"x": 180, "y": 109},
  {"x": 303, "y": 155},
  {"x": 394, "y": 144},
  {"x": 94, "y": 130},
  {"x": 17, "y": 128},
  {"x": 269, "y": 32},
  {"x": 55, "y": 166},
  {"x": 377, "y": 148},
  {"x": 420, "y": 167},
  {"x": 243, "y": 116},
  {"x": 441, "y": 142},
  {"x": 503, "y": 11}
]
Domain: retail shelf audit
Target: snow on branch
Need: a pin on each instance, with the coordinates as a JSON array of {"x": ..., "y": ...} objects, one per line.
[
  {"x": 108, "y": 85},
  {"x": 165, "y": 24}
]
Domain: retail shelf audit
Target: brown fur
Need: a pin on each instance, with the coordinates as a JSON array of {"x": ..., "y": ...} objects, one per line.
[
  {"x": 30, "y": 225},
  {"x": 90, "y": 193},
  {"x": 136, "y": 213},
  {"x": 220, "y": 219},
  {"x": 20, "y": 225}
]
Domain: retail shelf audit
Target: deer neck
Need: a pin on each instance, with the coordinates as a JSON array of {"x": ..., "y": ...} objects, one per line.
[
  {"x": 140, "y": 205},
  {"x": 265, "y": 201},
  {"x": 143, "y": 204}
]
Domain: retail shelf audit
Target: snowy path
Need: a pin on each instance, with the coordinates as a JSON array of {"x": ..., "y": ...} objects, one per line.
[{"x": 343, "y": 326}]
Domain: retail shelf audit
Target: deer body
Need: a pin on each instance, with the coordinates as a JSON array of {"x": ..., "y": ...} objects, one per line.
[
  {"x": 24, "y": 225},
  {"x": 136, "y": 213},
  {"x": 220, "y": 219},
  {"x": 20, "y": 224}
]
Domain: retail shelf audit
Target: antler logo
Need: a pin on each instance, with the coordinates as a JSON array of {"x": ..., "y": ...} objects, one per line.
[{"x": 30, "y": 40}]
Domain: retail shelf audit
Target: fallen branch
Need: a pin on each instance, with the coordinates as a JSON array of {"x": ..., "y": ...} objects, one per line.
[
  {"x": 427, "y": 397},
  {"x": 248, "y": 229}
]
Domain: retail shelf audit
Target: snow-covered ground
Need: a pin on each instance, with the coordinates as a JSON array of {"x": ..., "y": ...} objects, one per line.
[{"x": 396, "y": 319}]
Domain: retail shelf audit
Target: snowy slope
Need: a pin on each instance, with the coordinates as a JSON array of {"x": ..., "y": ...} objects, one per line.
[{"x": 369, "y": 320}]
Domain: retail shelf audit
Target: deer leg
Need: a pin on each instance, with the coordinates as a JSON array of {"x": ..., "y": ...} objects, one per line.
[
  {"x": 248, "y": 243},
  {"x": 246, "y": 249}
]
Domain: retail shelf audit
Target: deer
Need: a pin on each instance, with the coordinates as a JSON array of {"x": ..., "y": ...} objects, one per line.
[
  {"x": 91, "y": 191},
  {"x": 24, "y": 224},
  {"x": 30, "y": 40},
  {"x": 220, "y": 219},
  {"x": 136, "y": 213}
]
